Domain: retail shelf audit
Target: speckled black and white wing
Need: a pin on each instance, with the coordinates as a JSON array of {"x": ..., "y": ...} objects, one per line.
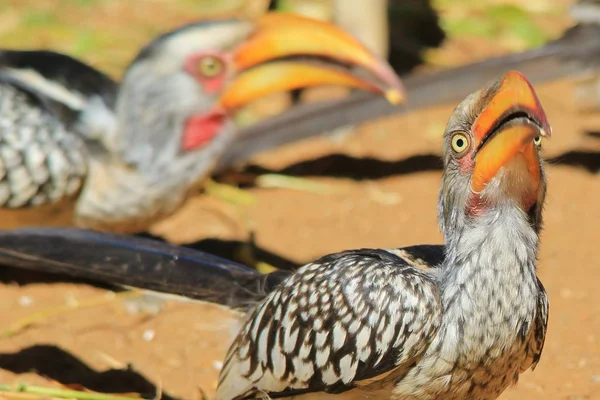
[
  {"x": 54, "y": 109},
  {"x": 40, "y": 161},
  {"x": 351, "y": 319}
]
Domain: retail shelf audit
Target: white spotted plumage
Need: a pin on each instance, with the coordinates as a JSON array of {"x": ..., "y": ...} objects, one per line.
[
  {"x": 40, "y": 161},
  {"x": 380, "y": 302}
]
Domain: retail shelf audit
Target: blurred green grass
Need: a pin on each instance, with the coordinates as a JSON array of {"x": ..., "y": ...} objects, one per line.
[
  {"x": 482, "y": 28},
  {"x": 108, "y": 33}
]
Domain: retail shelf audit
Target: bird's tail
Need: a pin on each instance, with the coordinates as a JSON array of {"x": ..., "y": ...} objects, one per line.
[{"x": 137, "y": 262}]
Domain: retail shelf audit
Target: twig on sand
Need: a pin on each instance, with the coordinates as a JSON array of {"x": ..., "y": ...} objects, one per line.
[
  {"x": 278, "y": 181},
  {"x": 40, "y": 316},
  {"x": 27, "y": 392},
  {"x": 229, "y": 193}
]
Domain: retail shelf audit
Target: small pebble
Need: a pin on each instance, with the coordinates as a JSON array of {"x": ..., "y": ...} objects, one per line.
[
  {"x": 218, "y": 365},
  {"x": 148, "y": 335},
  {"x": 25, "y": 301},
  {"x": 566, "y": 293}
]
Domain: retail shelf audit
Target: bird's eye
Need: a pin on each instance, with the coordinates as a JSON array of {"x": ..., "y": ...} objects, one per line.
[
  {"x": 460, "y": 143},
  {"x": 210, "y": 66},
  {"x": 537, "y": 141}
]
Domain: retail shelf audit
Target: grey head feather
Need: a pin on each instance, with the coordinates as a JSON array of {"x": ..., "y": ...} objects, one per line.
[
  {"x": 155, "y": 47},
  {"x": 453, "y": 195},
  {"x": 157, "y": 96}
]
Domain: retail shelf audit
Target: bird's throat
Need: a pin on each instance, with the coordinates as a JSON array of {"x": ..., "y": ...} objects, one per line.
[
  {"x": 200, "y": 130},
  {"x": 490, "y": 266},
  {"x": 502, "y": 233}
]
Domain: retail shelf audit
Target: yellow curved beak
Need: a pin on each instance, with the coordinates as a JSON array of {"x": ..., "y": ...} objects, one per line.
[
  {"x": 507, "y": 127},
  {"x": 278, "y": 36}
]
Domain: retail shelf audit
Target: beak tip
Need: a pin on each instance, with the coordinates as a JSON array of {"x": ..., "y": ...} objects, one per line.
[
  {"x": 547, "y": 132},
  {"x": 394, "y": 96},
  {"x": 518, "y": 80}
]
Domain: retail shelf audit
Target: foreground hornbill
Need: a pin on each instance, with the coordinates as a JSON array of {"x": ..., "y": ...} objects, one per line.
[
  {"x": 458, "y": 321},
  {"x": 120, "y": 157}
]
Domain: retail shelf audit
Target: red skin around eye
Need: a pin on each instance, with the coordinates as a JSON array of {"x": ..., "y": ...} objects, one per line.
[
  {"x": 466, "y": 163},
  {"x": 201, "y": 129},
  {"x": 212, "y": 84}
]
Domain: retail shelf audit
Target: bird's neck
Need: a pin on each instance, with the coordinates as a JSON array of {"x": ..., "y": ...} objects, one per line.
[
  {"x": 489, "y": 291},
  {"x": 496, "y": 249}
]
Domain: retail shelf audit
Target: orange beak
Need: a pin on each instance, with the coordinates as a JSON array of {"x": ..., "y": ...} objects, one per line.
[
  {"x": 279, "y": 35},
  {"x": 506, "y": 128}
]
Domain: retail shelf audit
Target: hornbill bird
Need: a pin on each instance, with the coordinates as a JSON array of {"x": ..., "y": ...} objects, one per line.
[
  {"x": 120, "y": 157},
  {"x": 576, "y": 55},
  {"x": 454, "y": 321}
]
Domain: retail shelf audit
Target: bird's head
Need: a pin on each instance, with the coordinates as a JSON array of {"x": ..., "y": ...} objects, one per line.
[
  {"x": 492, "y": 154},
  {"x": 179, "y": 94}
]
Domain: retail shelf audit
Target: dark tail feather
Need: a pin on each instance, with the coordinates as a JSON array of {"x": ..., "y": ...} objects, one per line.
[
  {"x": 137, "y": 262},
  {"x": 575, "y": 52}
]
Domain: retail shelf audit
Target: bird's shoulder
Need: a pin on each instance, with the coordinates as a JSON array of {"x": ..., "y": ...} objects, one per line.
[
  {"x": 20, "y": 103},
  {"x": 46, "y": 71},
  {"x": 76, "y": 95},
  {"x": 426, "y": 257},
  {"x": 349, "y": 319}
]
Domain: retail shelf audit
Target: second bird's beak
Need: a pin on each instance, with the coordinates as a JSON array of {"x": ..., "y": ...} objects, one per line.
[
  {"x": 507, "y": 127},
  {"x": 279, "y": 36}
]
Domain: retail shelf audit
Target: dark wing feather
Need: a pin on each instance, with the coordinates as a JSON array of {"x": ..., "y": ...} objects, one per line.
[
  {"x": 424, "y": 256},
  {"x": 77, "y": 95},
  {"x": 64, "y": 70}
]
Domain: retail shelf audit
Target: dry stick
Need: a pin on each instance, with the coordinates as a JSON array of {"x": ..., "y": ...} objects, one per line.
[
  {"x": 279, "y": 181},
  {"x": 22, "y": 391},
  {"x": 51, "y": 312},
  {"x": 229, "y": 193}
]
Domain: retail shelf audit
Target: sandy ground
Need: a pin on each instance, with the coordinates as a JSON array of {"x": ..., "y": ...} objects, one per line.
[
  {"x": 180, "y": 349},
  {"x": 392, "y": 204}
]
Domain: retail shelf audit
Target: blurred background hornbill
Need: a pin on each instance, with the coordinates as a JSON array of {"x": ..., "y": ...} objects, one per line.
[
  {"x": 454, "y": 321},
  {"x": 399, "y": 30},
  {"x": 80, "y": 148},
  {"x": 574, "y": 55}
]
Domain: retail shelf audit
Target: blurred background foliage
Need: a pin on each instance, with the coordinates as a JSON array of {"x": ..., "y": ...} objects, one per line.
[{"x": 108, "y": 33}]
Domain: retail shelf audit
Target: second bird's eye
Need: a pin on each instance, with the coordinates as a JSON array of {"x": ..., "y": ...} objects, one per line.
[
  {"x": 460, "y": 142},
  {"x": 210, "y": 66},
  {"x": 537, "y": 141}
]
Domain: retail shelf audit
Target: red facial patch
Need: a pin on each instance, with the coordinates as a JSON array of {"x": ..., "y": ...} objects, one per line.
[
  {"x": 476, "y": 205},
  {"x": 466, "y": 163},
  {"x": 200, "y": 130}
]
